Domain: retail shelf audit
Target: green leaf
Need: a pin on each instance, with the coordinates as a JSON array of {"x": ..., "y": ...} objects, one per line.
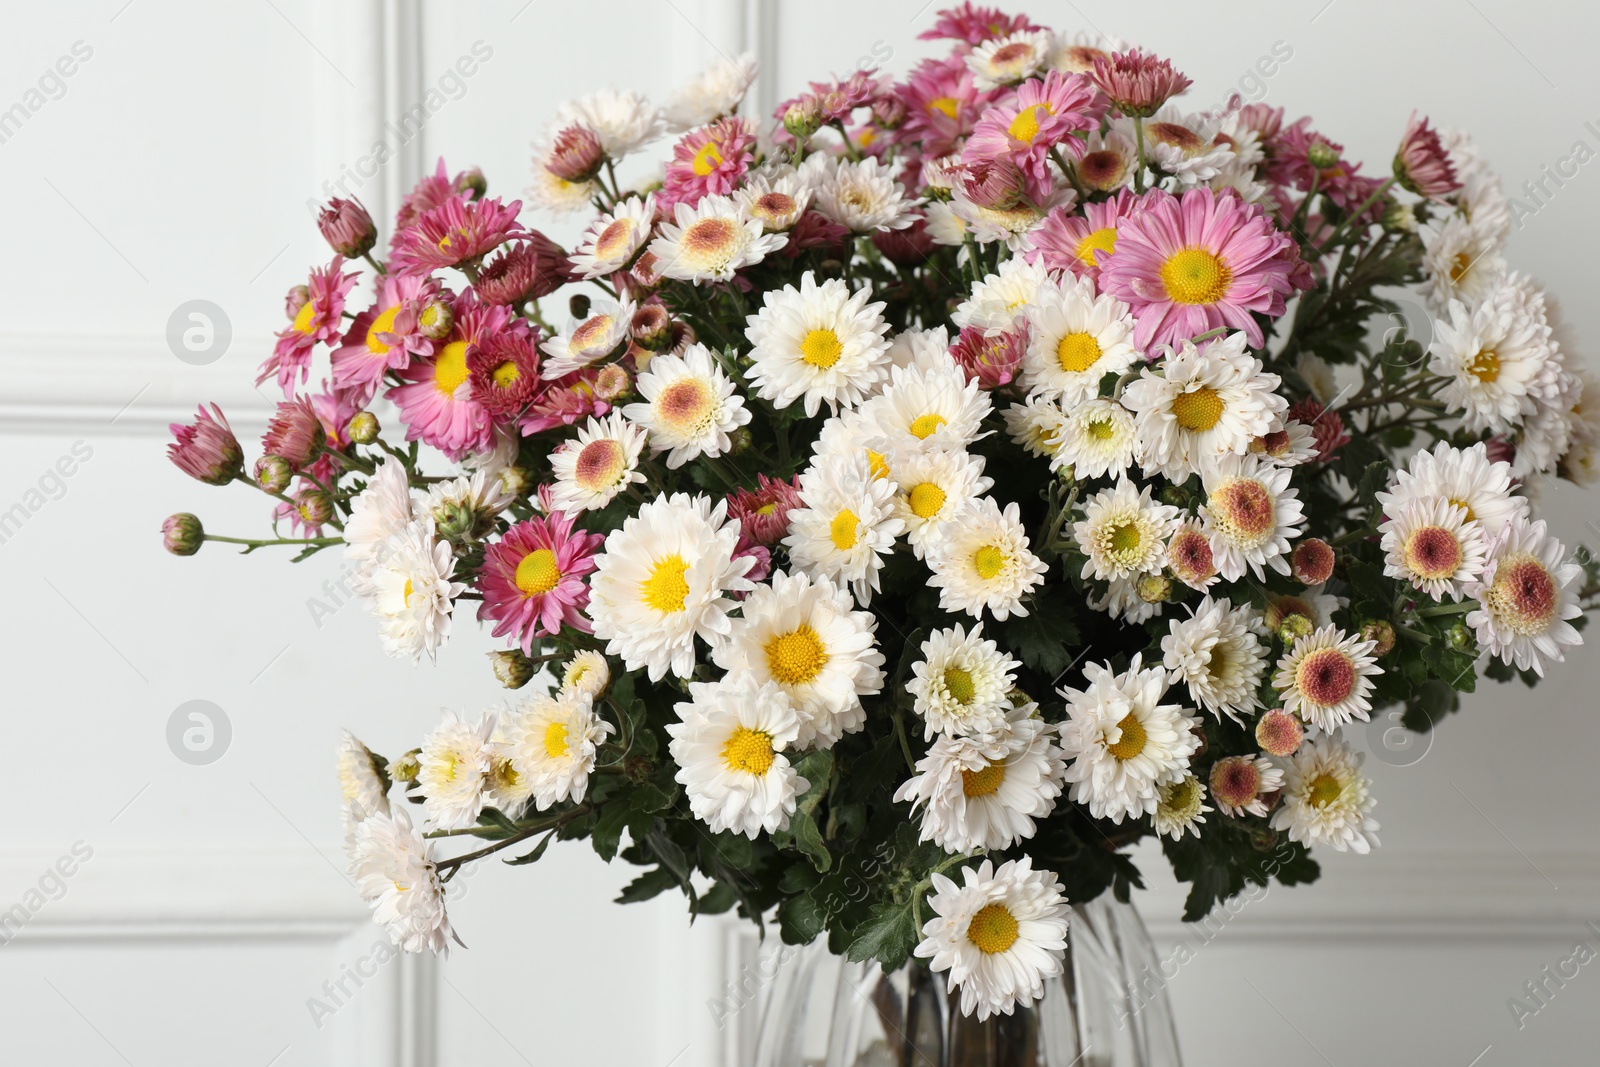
[
  {"x": 608, "y": 829},
  {"x": 888, "y": 936},
  {"x": 1043, "y": 639},
  {"x": 531, "y": 857},
  {"x": 800, "y": 920},
  {"x": 648, "y": 885}
]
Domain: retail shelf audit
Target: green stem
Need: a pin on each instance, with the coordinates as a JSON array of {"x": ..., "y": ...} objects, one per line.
[
  {"x": 1460, "y": 607},
  {"x": 255, "y": 543},
  {"x": 1355, "y": 216},
  {"x": 532, "y": 829},
  {"x": 379, "y": 267},
  {"x": 1138, "y": 175}
]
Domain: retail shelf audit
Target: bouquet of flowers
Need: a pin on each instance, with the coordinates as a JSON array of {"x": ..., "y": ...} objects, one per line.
[{"x": 899, "y": 509}]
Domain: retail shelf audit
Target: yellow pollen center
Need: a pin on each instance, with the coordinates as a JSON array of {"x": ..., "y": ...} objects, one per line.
[
  {"x": 993, "y": 929},
  {"x": 945, "y": 105},
  {"x": 1485, "y": 366},
  {"x": 796, "y": 657},
  {"x": 983, "y": 783},
  {"x": 1325, "y": 789},
  {"x": 879, "y": 464},
  {"x": 384, "y": 323},
  {"x": 1195, "y": 276},
  {"x": 506, "y": 375},
  {"x": 303, "y": 317},
  {"x": 1100, "y": 429},
  {"x": 1101, "y": 240},
  {"x": 1459, "y": 266},
  {"x": 1132, "y": 740},
  {"x": 1077, "y": 352},
  {"x": 1197, "y": 410},
  {"x": 1025, "y": 127},
  {"x": 821, "y": 348},
  {"x": 842, "y": 530},
  {"x": 555, "y": 739},
  {"x": 450, "y": 369},
  {"x": 1125, "y": 538},
  {"x": 958, "y": 683},
  {"x": 748, "y": 750},
  {"x": 707, "y": 159},
  {"x": 924, "y": 426},
  {"x": 666, "y": 589},
  {"x": 988, "y": 561},
  {"x": 926, "y": 499},
  {"x": 538, "y": 572}
]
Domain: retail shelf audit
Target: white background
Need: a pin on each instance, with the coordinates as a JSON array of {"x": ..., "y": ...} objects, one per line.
[{"x": 176, "y": 165}]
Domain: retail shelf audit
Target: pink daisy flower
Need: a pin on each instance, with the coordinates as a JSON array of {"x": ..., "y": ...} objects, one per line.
[
  {"x": 528, "y": 270},
  {"x": 456, "y": 231},
  {"x": 708, "y": 161},
  {"x": 942, "y": 106},
  {"x": 431, "y": 191},
  {"x": 1191, "y": 265},
  {"x": 975, "y": 25},
  {"x": 563, "y": 402},
  {"x": 763, "y": 512},
  {"x": 1421, "y": 164},
  {"x": 206, "y": 451},
  {"x": 385, "y": 336},
  {"x": 532, "y": 579},
  {"x": 294, "y": 432},
  {"x": 503, "y": 370},
  {"x": 1045, "y": 113},
  {"x": 1081, "y": 243},
  {"x": 990, "y": 359},
  {"x": 1138, "y": 83},
  {"x": 320, "y": 318},
  {"x": 436, "y": 401}
]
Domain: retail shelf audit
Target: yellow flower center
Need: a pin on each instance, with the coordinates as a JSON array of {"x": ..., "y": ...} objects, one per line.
[
  {"x": 821, "y": 348},
  {"x": 666, "y": 589},
  {"x": 1325, "y": 789},
  {"x": 1195, "y": 276},
  {"x": 707, "y": 159},
  {"x": 538, "y": 572},
  {"x": 1197, "y": 410},
  {"x": 384, "y": 323},
  {"x": 1025, "y": 127},
  {"x": 1459, "y": 266},
  {"x": 1485, "y": 366},
  {"x": 796, "y": 657},
  {"x": 926, "y": 499},
  {"x": 748, "y": 750},
  {"x": 945, "y": 105},
  {"x": 555, "y": 740},
  {"x": 506, "y": 375},
  {"x": 1101, "y": 240},
  {"x": 958, "y": 683},
  {"x": 924, "y": 425},
  {"x": 1077, "y": 352},
  {"x": 1131, "y": 743},
  {"x": 1125, "y": 538},
  {"x": 993, "y": 929},
  {"x": 983, "y": 783},
  {"x": 988, "y": 561},
  {"x": 879, "y": 464},
  {"x": 842, "y": 530},
  {"x": 1100, "y": 429},
  {"x": 450, "y": 369},
  {"x": 303, "y": 317}
]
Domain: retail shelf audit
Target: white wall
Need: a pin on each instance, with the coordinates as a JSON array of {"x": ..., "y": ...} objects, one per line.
[{"x": 176, "y": 167}]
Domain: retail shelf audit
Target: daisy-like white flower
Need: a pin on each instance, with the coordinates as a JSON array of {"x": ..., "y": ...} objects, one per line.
[
  {"x": 1000, "y": 934},
  {"x": 663, "y": 579},
  {"x": 587, "y": 341},
  {"x": 1461, "y": 260},
  {"x": 1241, "y": 784},
  {"x": 1075, "y": 338},
  {"x": 711, "y": 241},
  {"x": 711, "y": 94},
  {"x": 1181, "y": 807},
  {"x": 600, "y": 463},
  {"x": 690, "y": 407},
  {"x": 551, "y": 741},
  {"x": 379, "y": 514},
  {"x": 1203, "y": 403},
  {"x": 847, "y": 525},
  {"x": 936, "y": 407},
  {"x": 776, "y": 200},
  {"x": 1121, "y": 743},
  {"x": 1326, "y": 798},
  {"x": 363, "y": 780},
  {"x": 624, "y": 122},
  {"x": 1217, "y": 652},
  {"x": 1326, "y": 678},
  {"x": 960, "y": 684},
  {"x": 1003, "y": 299},
  {"x": 806, "y": 637},
  {"x": 983, "y": 561},
  {"x": 1122, "y": 600},
  {"x": 985, "y": 793},
  {"x": 1294, "y": 444},
  {"x": 1250, "y": 515},
  {"x": 1434, "y": 546},
  {"x": 819, "y": 343},
  {"x": 454, "y": 764},
  {"x": 1189, "y": 555},
  {"x": 923, "y": 348},
  {"x": 1123, "y": 532},
  {"x": 393, "y": 868},
  {"x": 1526, "y": 598},
  {"x": 1313, "y": 603},
  {"x": 586, "y": 674},
  {"x": 730, "y": 750},
  {"x": 861, "y": 196},
  {"x": 1097, "y": 437},
  {"x": 934, "y": 487},
  {"x": 1037, "y": 425},
  {"x": 1008, "y": 60},
  {"x": 1495, "y": 358},
  {"x": 1464, "y": 477},
  {"x": 1183, "y": 146},
  {"x": 615, "y": 238},
  {"x": 413, "y": 595}
]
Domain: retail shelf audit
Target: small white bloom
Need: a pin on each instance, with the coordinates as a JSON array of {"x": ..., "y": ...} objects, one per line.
[
  {"x": 551, "y": 740},
  {"x": 363, "y": 782},
  {"x": 1326, "y": 798},
  {"x": 1075, "y": 338},
  {"x": 615, "y": 238},
  {"x": 454, "y": 764},
  {"x": 556, "y": 194},
  {"x": 1496, "y": 360},
  {"x": 1097, "y": 437},
  {"x": 624, "y": 122},
  {"x": 1326, "y": 678},
  {"x": 960, "y": 684},
  {"x": 1037, "y": 425},
  {"x": 847, "y": 525},
  {"x": 1241, "y": 785},
  {"x": 934, "y": 407},
  {"x": 1526, "y": 596},
  {"x": 393, "y": 868},
  {"x": 412, "y": 594},
  {"x": 586, "y": 674},
  {"x": 1464, "y": 477},
  {"x": 1460, "y": 259},
  {"x": 711, "y": 241},
  {"x": 983, "y": 561},
  {"x": 690, "y": 406},
  {"x": 1002, "y": 300},
  {"x": 711, "y": 94},
  {"x": 1124, "y": 532},
  {"x": 729, "y": 747},
  {"x": 1011, "y": 59},
  {"x": 379, "y": 516},
  {"x": 1217, "y": 652},
  {"x": 599, "y": 463},
  {"x": 1434, "y": 546},
  {"x": 1181, "y": 807},
  {"x": 861, "y": 196},
  {"x": 1250, "y": 515},
  {"x": 820, "y": 343},
  {"x": 934, "y": 487}
]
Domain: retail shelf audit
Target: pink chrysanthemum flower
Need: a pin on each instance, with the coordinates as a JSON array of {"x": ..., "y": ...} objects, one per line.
[
  {"x": 533, "y": 579},
  {"x": 763, "y": 513},
  {"x": 975, "y": 25},
  {"x": 320, "y": 318},
  {"x": 385, "y": 336},
  {"x": 1138, "y": 83},
  {"x": 436, "y": 400},
  {"x": 312, "y": 507},
  {"x": 708, "y": 161},
  {"x": 1081, "y": 243},
  {"x": 503, "y": 370},
  {"x": 840, "y": 98},
  {"x": 1290, "y": 163},
  {"x": 429, "y": 192},
  {"x": 456, "y": 231},
  {"x": 990, "y": 359},
  {"x": 942, "y": 106},
  {"x": 563, "y": 402},
  {"x": 334, "y": 411},
  {"x": 347, "y": 227},
  {"x": 1327, "y": 428},
  {"x": 1421, "y": 164},
  {"x": 206, "y": 451},
  {"x": 1191, "y": 265},
  {"x": 1045, "y": 113},
  {"x": 576, "y": 154},
  {"x": 294, "y": 432},
  {"x": 527, "y": 270}
]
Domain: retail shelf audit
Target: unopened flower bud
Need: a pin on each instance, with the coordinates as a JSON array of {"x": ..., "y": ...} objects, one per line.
[
  {"x": 740, "y": 440},
  {"x": 1293, "y": 627},
  {"x": 347, "y": 227},
  {"x": 1381, "y": 632},
  {"x": 207, "y": 450},
  {"x": 651, "y": 327},
  {"x": 472, "y": 181},
  {"x": 1312, "y": 561},
  {"x": 577, "y": 154},
  {"x": 517, "y": 481},
  {"x": 638, "y": 769},
  {"x": 1173, "y": 496},
  {"x": 1265, "y": 838},
  {"x": 1279, "y": 733},
  {"x": 1321, "y": 155},
  {"x": 1459, "y": 637},
  {"x": 1019, "y": 697},
  {"x": 436, "y": 320},
  {"x": 1153, "y": 588},
  {"x": 296, "y": 298},
  {"x": 272, "y": 474},
  {"x": 407, "y": 767},
  {"x": 995, "y": 184},
  {"x": 363, "y": 427},
  {"x": 803, "y": 117},
  {"x": 511, "y": 668},
  {"x": 889, "y": 112},
  {"x": 1399, "y": 218},
  {"x": 315, "y": 506},
  {"x": 182, "y": 534},
  {"x": 613, "y": 383},
  {"x": 455, "y": 521},
  {"x": 578, "y": 306}
]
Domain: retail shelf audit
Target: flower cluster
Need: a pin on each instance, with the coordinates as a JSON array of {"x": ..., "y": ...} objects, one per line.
[{"x": 987, "y": 468}]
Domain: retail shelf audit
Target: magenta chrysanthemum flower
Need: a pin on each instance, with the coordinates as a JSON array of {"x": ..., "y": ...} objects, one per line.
[
  {"x": 1327, "y": 428},
  {"x": 533, "y": 579},
  {"x": 320, "y": 318},
  {"x": 429, "y": 192},
  {"x": 1138, "y": 83},
  {"x": 503, "y": 370},
  {"x": 975, "y": 25},
  {"x": 294, "y": 432},
  {"x": 1045, "y": 113},
  {"x": 456, "y": 231},
  {"x": 1421, "y": 164},
  {"x": 708, "y": 161},
  {"x": 576, "y": 154},
  {"x": 334, "y": 411},
  {"x": 1081, "y": 243},
  {"x": 990, "y": 359},
  {"x": 347, "y": 227},
  {"x": 528, "y": 270},
  {"x": 436, "y": 400},
  {"x": 1298, "y": 152},
  {"x": 942, "y": 106},
  {"x": 763, "y": 512},
  {"x": 1191, "y": 265},
  {"x": 385, "y": 336},
  {"x": 563, "y": 402},
  {"x": 206, "y": 451}
]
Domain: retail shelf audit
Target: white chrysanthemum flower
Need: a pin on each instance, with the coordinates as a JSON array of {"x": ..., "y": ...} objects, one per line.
[
  {"x": 1242, "y": 785},
  {"x": 454, "y": 765},
  {"x": 556, "y": 194},
  {"x": 1326, "y": 678},
  {"x": 363, "y": 780},
  {"x": 776, "y": 199},
  {"x": 1320, "y": 376},
  {"x": 1003, "y": 299},
  {"x": 624, "y": 122},
  {"x": 412, "y": 594},
  {"x": 1122, "y": 601},
  {"x": 1123, "y": 532},
  {"x": 1181, "y": 807},
  {"x": 1000, "y": 934},
  {"x": 479, "y": 493},
  {"x": 1204, "y": 403},
  {"x": 805, "y": 636},
  {"x": 1481, "y": 198},
  {"x": 1293, "y": 444},
  {"x": 586, "y": 674},
  {"x": 1464, "y": 477},
  {"x": 551, "y": 740},
  {"x": 1495, "y": 359},
  {"x": 711, "y": 241},
  {"x": 615, "y": 238},
  {"x": 711, "y": 94},
  {"x": 1096, "y": 438},
  {"x": 729, "y": 748},
  {"x": 847, "y": 435},
  {"x": 983, "y": 561},
  {"x": 1326, "y": 798},
  {"x": 379, "y": 515},
  {"x": 1010, "y": 226},
  {"x": 1189, "y": 555},
  {"x": 935, "y": 407},
  {"x": 1075, "y": 338},
  {"x": 1122, "y": 744},
  {"x": 934, "y": 487},
  {"x": 1460, "y": 260},
  {"x": 1037, "y": 426},
  {"x": 599, "y": 463},
  {"x": 1581, "y": 462},
  {"x": 945, "y": 227},
  {"x": 861, "y": 196},
  {"x": 986, "y": 793},
  {"x": 392, "y": 866},
  {"x": 690, "y": 407},
  {"x": 1217, "y": 652},
  {"x": 960, "y": 684},
  {"x": 1250, "y": 514},
  {"x": 588, "y": 340},
  {"x": 848, "y": 523},
  {"x": 819, "y": 343},
  {"x": 1526, "y": 598},
  {"x": 1184, "y": 146},
  {"x": 1434, "y": 546},
  {"x": 1011, "y": 59},
  {"x": 663, "y": 579},
  {"x": 924, "y": 349}
]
